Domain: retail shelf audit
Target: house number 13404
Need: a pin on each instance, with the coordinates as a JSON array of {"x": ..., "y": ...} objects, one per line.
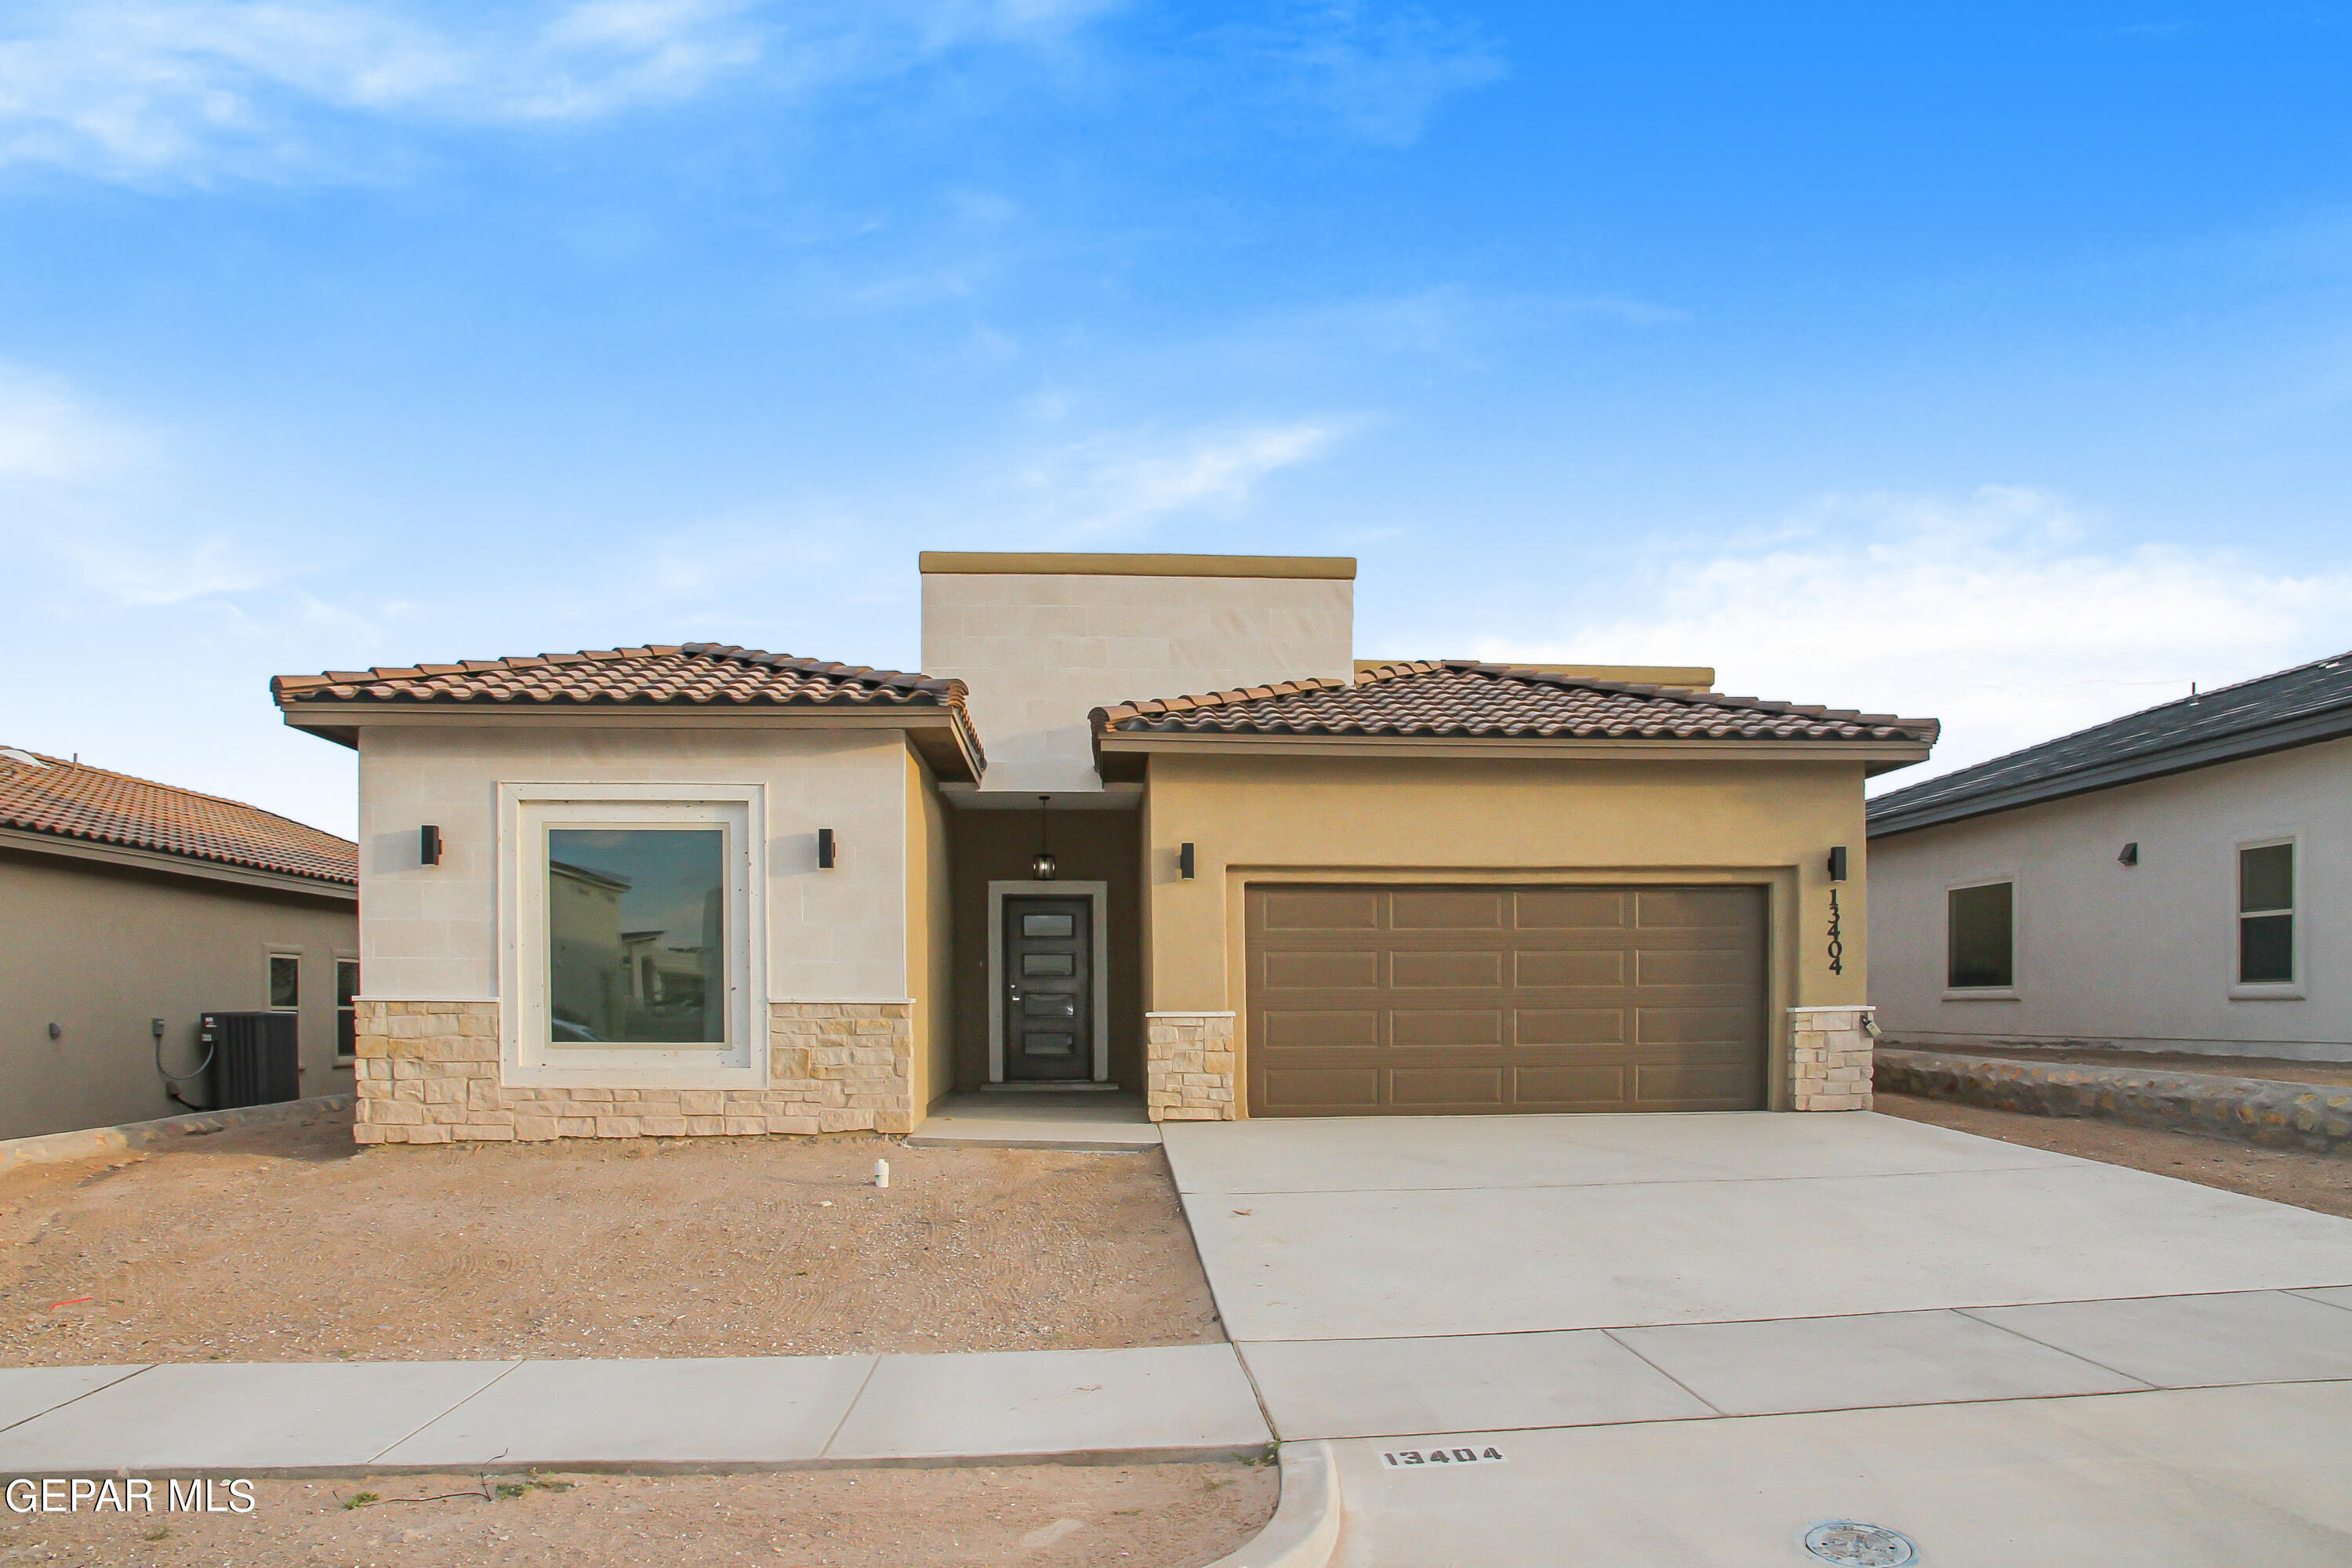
[{"x": 1405, "y": 1459}]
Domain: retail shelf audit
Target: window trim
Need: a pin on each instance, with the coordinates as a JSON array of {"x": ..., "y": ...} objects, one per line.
[
  {"x": 342, "y": 1057},
  {"x": 2266, "y": 990},
  {"x": 527, "y": 1057},
  {"x": 2012, "y": 992},
  {"x": 269, "y": 979}
]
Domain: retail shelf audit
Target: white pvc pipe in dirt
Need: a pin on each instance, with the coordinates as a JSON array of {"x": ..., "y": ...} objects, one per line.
[{"x": 881, "y": 1172}]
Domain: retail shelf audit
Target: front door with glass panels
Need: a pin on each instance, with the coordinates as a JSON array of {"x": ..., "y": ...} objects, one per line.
[{"x": 1048, "y": 988}]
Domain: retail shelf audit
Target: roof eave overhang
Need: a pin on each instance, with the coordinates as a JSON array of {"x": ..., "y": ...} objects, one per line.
[
  {"x": 1877, "y": 756},
  {"x": 2334, "y": 725},
  {"x": 944, "y": 736},
  {"x": 162, "y": 860}
]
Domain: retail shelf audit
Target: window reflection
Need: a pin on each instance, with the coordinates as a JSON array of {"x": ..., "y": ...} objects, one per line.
[{"x": 636, "y": 939}]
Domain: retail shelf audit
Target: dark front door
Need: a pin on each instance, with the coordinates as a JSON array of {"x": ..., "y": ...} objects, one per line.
[{"x": 1049, "y": 988}]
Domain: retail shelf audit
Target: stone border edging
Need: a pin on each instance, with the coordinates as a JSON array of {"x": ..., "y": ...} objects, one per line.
[
  {"x": 2313, "y": 1117},
  {"x": 1304, "y": 1530},
  {"x": 56, "y": 1148}
]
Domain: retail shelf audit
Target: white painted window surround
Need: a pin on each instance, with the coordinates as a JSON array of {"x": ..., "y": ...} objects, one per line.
[
  {"x": 529, "y": 1059},
  {"x": 2268, "y": 990}
]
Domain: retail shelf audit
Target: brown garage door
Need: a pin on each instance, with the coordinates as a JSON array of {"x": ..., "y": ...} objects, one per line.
[{"x": 1370, "y": 1001}]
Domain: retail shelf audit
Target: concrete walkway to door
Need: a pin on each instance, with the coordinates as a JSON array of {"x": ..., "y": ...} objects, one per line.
[{"x": 1791, "y": 1318}]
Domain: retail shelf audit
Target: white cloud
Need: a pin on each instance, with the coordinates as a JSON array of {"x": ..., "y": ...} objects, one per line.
[
  {"x": 1115, "y": 484},
  {"x": 144, "y": 89},
  {"x": 46, "y": 434},
  {"x": 1991, "y": 613}
]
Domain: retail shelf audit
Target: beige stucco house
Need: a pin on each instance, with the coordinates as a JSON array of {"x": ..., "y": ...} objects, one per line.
[
  {"x": 1145, "y": 822},
  {"x": 131, "y": 908}
]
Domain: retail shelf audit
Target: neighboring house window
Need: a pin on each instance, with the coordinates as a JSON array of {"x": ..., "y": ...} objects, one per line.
[
  {"x": 1980, "y": 925},
  {"x": 347, "y": 1010},
  {"x": 636, "y": 935},
  {"x": 2266, "y": 914},
  {"x": 285, "y": 981}
]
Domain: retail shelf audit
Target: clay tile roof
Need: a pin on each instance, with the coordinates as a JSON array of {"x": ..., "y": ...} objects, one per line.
[
  {"x": 71, "y": 800},
  {"x": 1459, "y": 698},
  {"x": 679, "y": 672},
  {"x": 702, "y": 675}
]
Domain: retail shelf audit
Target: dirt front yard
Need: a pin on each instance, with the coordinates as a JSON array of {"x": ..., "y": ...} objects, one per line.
[
  {"x": 1144, "y": 1516},
  {"x": 2320, "y": 1182},
  {"x": 288, "y": 1243}
]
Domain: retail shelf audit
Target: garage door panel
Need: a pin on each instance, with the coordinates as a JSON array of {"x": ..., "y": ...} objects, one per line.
[
  {"x": 1285, "y": 1030},
  {"x": 1573, "y": 909},
  {"x": 1724, "y": 1085},
  {"x": 1463, "y": 908},
  {"x": 1597, "y": 1085},
  {"x": 1322, "y": 970},
  {"x": 1409, "y": 970},
  {"x": 1446, "y": 1089},
  {"x": 1501, "y": 998},
  {"x": 1692, "y": 1025},
  {"x": 1571, "y": 968},
  {"x": 1468, "y": 1026},
  {"x": 1572, "y": 1026},
  {"x": 1348, "y": 908},
  {"x": 1330, "y": 1090}
]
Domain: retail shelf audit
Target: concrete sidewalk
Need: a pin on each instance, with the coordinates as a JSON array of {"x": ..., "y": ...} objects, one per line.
[{"x": 1185, "y": 1402}]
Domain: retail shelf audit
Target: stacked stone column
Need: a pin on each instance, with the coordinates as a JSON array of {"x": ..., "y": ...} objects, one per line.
[
  {"x": 1829, "y": 1058},
  {"x": 1188, "y": 1066}
]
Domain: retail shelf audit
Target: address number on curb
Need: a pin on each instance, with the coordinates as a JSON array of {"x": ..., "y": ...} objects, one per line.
[{"x": 1406, "y": 1458}]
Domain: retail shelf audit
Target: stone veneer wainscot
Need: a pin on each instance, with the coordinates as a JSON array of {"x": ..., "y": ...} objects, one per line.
[
  {"x": 1188, "y": 1066},
  {"x": 1829, "y": 1058},
  {"x": 428, "y": 1072}
]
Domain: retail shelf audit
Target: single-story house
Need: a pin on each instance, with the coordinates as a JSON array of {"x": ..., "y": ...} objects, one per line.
[
  {"x": 1142, "y": 823},
  {"x": 133, "y": 909},
  {"x": 2180, "y": 880}
]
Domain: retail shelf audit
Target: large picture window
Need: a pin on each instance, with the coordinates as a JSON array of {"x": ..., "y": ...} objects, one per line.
[
  {"x": 2266, "y": 915},
  {"x": 1980, "y": 927},
  {"x": 636, "y": 935}
]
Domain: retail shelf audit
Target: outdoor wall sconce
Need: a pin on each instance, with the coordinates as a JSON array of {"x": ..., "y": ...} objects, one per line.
[
  {"x": 1042, "y": 866},
  {"x": 824, "y": 848},
  {"x": 1184, "y": 861},
  {"x": 2130, "y": 856},
  {"x": 428, "y": 846},
  {"x": 1837, "y": 864}
]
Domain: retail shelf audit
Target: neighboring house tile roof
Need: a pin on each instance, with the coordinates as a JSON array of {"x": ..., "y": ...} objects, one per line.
[
  {"x": 696, "y": 674},
  {"x": 66, "y": 799},
  {"x": 1440, "y": 697},
  {"x": 2298, "y": 707}
]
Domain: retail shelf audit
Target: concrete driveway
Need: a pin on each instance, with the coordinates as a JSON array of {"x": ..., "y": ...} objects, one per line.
[{"x": 1688, "y": 1338}]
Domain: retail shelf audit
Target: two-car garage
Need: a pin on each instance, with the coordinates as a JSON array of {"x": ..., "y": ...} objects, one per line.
[{"x": 1452, "y": 999}]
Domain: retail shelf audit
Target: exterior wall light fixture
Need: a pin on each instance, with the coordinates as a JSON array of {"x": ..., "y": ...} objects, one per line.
[
  {"x": 824, "y": 848},
  {"x": 1184, "y": 861},
  {"x": 1042, "y": 866},
  {"x": 428, "y": 846},
  {"x": 1837, "y": 864},
  {"x": 2130, "y": 856}
]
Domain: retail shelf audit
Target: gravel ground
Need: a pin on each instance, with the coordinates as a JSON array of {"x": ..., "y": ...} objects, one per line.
[
  {"x": 2274, "y": 1069},
  {"x": 2318, "y": 1181},
  {"x": 288, "y": 1243},
  {"x": 1145, "y": 1516}
]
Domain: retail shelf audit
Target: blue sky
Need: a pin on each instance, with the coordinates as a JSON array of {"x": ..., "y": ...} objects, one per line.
[{"x": 1986, "y": 362}]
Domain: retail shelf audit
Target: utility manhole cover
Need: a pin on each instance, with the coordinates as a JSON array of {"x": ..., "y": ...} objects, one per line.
[{"x": 1853, "y": 1544}]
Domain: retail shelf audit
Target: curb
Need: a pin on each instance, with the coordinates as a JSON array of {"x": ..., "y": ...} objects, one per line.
[
  {"x": 56, "y": 1148},
  {"x": 2313, "y": 1117},
  {"x": 1304, "y": 1530}
]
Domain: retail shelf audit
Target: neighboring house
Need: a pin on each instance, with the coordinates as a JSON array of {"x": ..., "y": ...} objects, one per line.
[
  {"x": 131, "y": 904},
  {"x": 2179, "y": 879},
  {"x": 703, "y": 889}
]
